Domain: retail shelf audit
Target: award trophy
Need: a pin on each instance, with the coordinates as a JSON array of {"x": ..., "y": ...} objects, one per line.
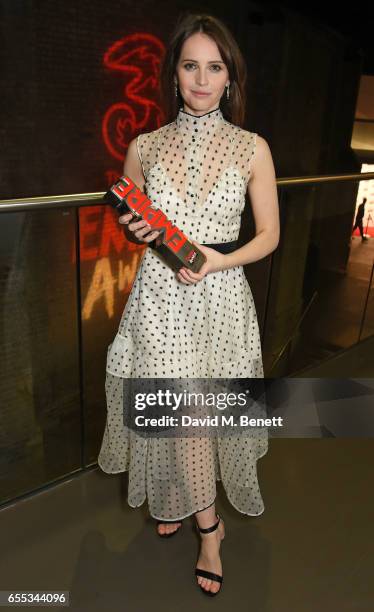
[{"x": 125, "y": 196}]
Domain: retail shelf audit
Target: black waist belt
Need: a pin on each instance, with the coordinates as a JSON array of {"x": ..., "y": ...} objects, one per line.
[{"x": 223, "y": 247}]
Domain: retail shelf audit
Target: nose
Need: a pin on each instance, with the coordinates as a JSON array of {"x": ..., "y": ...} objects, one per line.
[{"x": 201, "y": 77}]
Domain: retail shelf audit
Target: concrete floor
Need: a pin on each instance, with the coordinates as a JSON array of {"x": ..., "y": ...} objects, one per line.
[{"x": 311, "y": 550}]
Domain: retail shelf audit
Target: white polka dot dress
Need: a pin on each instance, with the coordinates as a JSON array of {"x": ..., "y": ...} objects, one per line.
[{"x": 197, "y": 170}]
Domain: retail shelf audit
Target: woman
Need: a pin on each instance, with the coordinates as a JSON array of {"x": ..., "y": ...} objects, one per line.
[{"x": 183, "y": 324}]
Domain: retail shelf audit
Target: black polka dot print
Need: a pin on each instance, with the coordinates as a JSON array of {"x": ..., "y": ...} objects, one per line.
[{"x": 197, "y": 170}]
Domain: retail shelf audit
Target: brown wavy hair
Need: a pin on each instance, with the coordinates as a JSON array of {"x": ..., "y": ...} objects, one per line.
[{"x": 233, "y": 109}]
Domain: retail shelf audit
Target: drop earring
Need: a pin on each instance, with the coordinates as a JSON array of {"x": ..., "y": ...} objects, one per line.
[
  {"x": 228, "y": 91},
  {"x": 176, "y": 90}
]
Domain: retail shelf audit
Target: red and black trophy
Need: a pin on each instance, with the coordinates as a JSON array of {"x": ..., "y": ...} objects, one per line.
[{"x": 125, "y": 196}]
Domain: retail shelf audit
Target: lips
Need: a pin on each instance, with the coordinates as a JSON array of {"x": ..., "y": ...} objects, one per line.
[{"x": 200, "y": 93}]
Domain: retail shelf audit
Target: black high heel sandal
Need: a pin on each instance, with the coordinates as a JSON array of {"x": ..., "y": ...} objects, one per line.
[
  {"x": 205, "y": 573},
  {"x": 168, "y": 535}
]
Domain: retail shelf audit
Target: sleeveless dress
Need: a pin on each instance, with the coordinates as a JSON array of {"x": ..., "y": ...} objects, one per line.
[{"x": 196, "y": 170}]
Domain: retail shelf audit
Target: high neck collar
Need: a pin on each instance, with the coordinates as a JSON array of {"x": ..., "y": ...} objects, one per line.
[{"x": 188, "y": 123}]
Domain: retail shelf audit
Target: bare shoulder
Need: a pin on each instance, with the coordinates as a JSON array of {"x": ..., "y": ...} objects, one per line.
[
  {"x": 262, "y": 145},
  {"x": 262, "y": 149},
  {"x": 133, "y": 166},
  {"x": 262, "y": 158},
  {"x": 132, "y": 148}
]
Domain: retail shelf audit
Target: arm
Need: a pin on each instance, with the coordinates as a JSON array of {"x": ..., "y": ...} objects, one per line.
[
  {"x": 262, "y": 190},
  {"x": 132, "y": 166},
  {"x": 135, "y": 230}
]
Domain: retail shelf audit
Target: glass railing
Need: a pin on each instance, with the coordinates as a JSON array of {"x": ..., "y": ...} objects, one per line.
[
  {"x": 320, "y": 299},
  {"x": 66, "y": 270}
]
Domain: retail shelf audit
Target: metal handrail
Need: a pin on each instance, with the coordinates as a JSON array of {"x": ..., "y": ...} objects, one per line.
[{"x": 90, "y": 199}]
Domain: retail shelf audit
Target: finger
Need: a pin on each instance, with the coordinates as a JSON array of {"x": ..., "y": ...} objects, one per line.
[
  {"x": 142, "y": 232},
  {"x": 181, "y": 279},
  {"x": 189, "y": 275},
  {"x": 125, "y": 218},
  {"x": 137, "y": 224},
  {"x": 152, "y": 236},
  {"x": 187, "y": 278},
  {"x": 185, "y": 275},
  {"x": 147, "y": 236},
  {"x": 194, "y": 275}
]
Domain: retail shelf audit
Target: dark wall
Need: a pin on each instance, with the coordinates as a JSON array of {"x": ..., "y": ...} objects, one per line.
[{"x": 58, "y": 86}]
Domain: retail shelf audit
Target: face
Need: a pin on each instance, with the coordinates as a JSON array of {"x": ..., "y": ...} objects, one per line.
[{"x": 201, "y": 74}]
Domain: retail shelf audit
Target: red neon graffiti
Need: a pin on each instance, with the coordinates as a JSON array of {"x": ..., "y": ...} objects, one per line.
[{"x": 137, "y": 57}]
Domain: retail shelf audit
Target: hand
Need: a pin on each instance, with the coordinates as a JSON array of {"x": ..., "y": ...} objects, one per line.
[
  {"x": 215, "y": 262},
  {"x": 139, "y": 229}
]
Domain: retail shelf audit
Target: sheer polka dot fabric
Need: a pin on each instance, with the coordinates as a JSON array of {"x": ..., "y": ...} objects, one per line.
[{"x": 197, "y": 170}]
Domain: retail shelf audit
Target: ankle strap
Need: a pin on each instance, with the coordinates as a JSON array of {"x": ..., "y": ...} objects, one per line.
[{"x": 209, "y": 529}]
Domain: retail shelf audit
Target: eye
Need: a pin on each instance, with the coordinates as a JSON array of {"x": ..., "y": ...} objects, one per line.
[{"x": 214, "y": 67}]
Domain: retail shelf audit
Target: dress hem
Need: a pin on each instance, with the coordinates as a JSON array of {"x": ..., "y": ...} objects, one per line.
[{"x": 194, "y": 511}]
